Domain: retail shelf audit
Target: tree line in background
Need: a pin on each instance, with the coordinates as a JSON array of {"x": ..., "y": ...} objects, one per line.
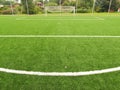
[{"x": 37, "y": 6}]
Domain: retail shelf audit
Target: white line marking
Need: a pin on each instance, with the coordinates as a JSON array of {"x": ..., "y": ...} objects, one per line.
[
  {"x": 100, "y": 18},
  {"x": 25, "y": 18},
  {"x": 58, "y": 36},
  {"x": 59, "y": 19},
  {"x": 59, "y": 73}
]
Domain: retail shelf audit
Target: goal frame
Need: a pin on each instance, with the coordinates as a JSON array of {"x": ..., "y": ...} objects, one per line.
[{"x": 60, "y": 9}]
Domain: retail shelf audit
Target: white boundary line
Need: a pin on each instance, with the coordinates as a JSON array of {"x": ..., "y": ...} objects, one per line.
[
  {"x": 100, "y": 18},
  {"x": 58, "y": 19},
  {"x": 58, "y": 36},
  {"x": 51, "y": 19},
  {"x": 60, "y": 73}
]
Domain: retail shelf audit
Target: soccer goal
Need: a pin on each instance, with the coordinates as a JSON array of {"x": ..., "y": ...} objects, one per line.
[{"x": 59, "y": 9}]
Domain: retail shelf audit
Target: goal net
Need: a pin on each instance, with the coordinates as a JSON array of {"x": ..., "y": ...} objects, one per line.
[{"x": 60, "y": 9}]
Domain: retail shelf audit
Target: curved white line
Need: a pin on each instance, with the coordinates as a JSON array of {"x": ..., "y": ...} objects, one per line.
[{"x": 59, "y": 73}]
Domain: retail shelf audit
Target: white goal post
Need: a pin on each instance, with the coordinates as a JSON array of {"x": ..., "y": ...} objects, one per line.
[{"x": 60, "y": 9}]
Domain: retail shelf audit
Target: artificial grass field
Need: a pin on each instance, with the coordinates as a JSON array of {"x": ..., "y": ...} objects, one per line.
[{"x": 53, "y": 54}]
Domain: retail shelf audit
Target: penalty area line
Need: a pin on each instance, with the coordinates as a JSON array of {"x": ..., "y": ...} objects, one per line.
[
  {"x": 59, "y": 19},
  {"x": 85, "y": 73},
  {"x": 58, "y": 36}
]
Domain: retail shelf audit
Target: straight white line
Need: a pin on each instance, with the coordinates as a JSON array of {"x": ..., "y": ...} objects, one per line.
[
  {"x": 100, "y": 18},
  {"x": 58, "y": 36},
  {"x": 25, "y": 18},
  {"x": 59, "y": 73},
  {"x": 59, "y": 19}
]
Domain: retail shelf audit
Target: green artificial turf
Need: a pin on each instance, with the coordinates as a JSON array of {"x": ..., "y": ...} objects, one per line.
[
  {"x": 34, "y": 25},
  {"x": 54, "y": 54}
]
